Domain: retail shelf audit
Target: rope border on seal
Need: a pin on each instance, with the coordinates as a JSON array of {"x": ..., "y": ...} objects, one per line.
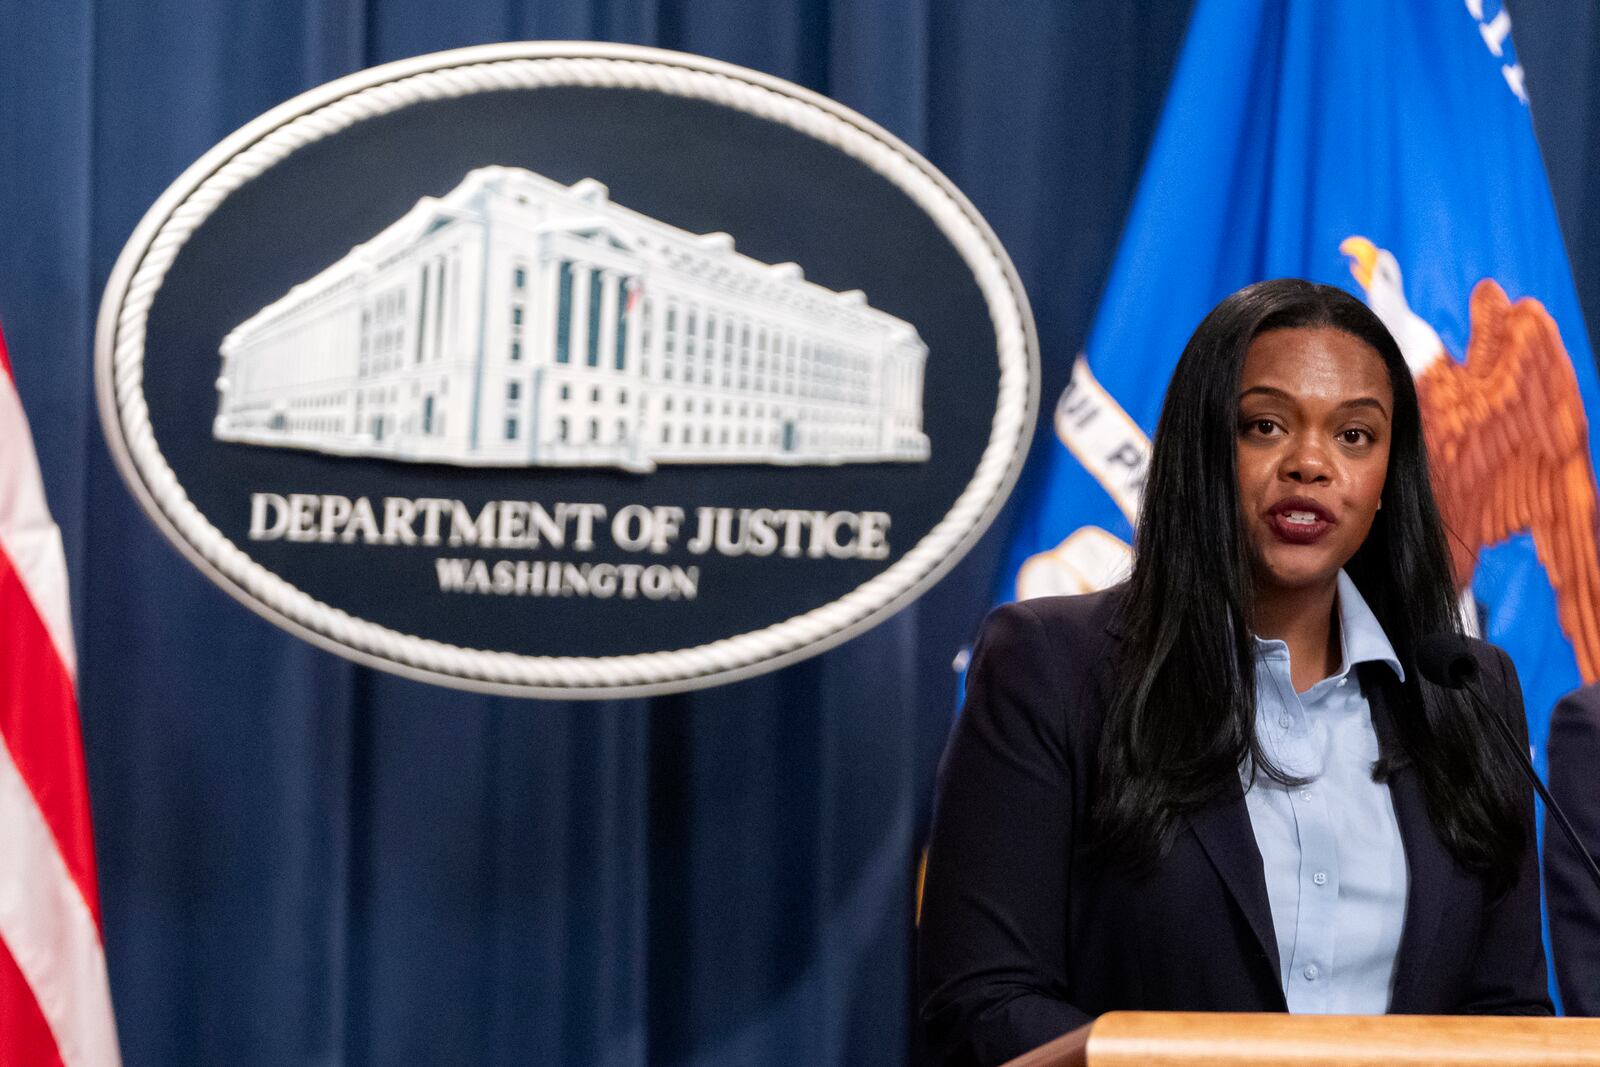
[{"x": 573, "y": 675}]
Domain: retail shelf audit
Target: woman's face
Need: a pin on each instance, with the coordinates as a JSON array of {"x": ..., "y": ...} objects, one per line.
[{"x": 1314, "y": 418}]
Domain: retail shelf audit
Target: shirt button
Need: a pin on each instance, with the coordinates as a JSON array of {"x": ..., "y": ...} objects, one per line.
[
  {"x": 1321, "y": 878},
  {"x": 1305, "y": 794},
  {"x": 1311, "y": 972},
  {"x": 1285, "y": 722}
]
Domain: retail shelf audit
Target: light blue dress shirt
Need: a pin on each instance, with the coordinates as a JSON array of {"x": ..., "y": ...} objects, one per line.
[{"x": 1331, "y": 850}]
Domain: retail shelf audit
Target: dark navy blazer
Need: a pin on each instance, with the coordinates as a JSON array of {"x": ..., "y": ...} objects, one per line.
[
  {"x": 1023, "y": 938},
  {"x": 1574, "y": 902}
]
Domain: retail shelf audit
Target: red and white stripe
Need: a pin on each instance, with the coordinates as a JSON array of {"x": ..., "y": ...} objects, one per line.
[{"x": 55, "y": 1004}]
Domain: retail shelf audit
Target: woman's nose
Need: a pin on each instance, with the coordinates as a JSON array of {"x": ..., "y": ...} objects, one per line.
[{"x": 1307, "y": 463}]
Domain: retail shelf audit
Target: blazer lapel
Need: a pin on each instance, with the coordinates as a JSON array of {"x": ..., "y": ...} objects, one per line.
[
  {"x": 1223, "y": 828},
  {"x": 1429, "y": 865}
]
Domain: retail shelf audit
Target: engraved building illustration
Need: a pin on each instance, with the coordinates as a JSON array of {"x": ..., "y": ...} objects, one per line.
[{"x": 518, "y": 321}]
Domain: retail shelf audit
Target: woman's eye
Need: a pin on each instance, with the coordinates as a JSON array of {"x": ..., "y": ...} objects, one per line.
[
  {"x": 1264, "y": 427},
  {"x": 1354, "y": 437}
]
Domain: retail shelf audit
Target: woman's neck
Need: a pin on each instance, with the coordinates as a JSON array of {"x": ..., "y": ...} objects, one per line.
[{"x": 1304, "y": 620}]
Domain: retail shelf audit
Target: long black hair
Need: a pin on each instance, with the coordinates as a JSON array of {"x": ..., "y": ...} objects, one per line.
[{"x": 1182, "y": 722}]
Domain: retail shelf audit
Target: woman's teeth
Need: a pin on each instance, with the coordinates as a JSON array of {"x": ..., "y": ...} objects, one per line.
[{"x": 1301, "y": 518}]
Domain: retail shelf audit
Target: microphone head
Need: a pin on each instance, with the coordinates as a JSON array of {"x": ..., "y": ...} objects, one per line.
[{"x": 1446, "y": 660}]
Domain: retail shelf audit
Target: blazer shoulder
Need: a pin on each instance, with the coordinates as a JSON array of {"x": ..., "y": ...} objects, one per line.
[
  {"x": 1498, "y": 682},
  {"x": 1494, "y": 663},
  {"x": 1087, "y": 616},
  {"x": 1074, "y": 633},
  {"x": 1484, "y": 652}
]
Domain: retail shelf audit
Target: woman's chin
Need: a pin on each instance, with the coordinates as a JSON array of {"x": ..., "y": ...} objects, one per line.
[{"x": 1296, "y": 574}]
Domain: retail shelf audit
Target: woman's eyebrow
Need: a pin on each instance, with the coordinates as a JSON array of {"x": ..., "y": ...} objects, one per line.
[{"x": 1367, "y": 402}]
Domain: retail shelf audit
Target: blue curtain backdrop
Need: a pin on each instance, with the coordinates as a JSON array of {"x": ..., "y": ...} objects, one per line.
[{"x": 305, "y": 862}]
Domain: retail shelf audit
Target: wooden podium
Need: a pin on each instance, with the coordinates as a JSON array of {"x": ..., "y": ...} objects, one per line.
[{"x": 1217, "y": 1039}]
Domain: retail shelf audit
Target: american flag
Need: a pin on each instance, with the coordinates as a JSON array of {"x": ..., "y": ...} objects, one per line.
[{"x": 55, "y": 1004}]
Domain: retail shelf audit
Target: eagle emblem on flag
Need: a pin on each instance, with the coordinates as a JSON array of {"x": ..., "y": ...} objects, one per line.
[{"x": 1507, "y": 437}]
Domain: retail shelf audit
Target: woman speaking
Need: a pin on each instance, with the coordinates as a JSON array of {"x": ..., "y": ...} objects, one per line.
[{"x": 1223, "y": 785}]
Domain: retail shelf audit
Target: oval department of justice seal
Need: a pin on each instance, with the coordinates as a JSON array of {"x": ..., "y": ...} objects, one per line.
[{"x": 567, "y": 370}]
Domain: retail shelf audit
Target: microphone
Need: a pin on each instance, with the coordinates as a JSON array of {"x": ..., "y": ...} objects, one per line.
[{"x": 1446, "y": 660}]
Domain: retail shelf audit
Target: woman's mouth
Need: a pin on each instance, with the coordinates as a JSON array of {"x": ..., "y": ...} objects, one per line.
[{"x": 1299, "y": 521}]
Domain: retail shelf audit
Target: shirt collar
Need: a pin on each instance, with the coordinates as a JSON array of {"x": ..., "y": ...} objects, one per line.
[
  {"x": 1361, "y": 636},
  {"x": 1360, "y": 633}
]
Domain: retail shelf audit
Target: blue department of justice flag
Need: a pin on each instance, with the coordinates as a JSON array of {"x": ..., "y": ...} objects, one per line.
[{"x": 1386, "y": 148}]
